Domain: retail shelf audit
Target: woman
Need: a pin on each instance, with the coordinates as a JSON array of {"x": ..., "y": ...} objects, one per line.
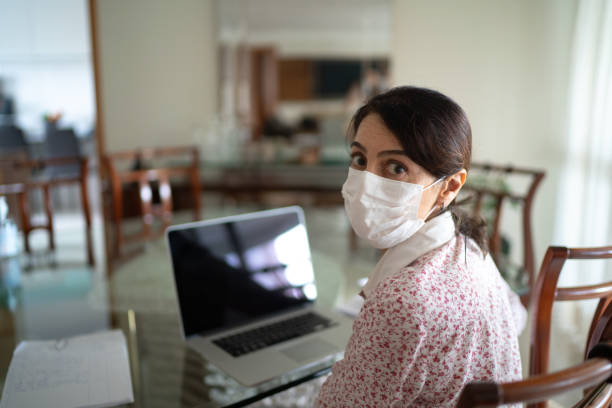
[{"x": 437, "y": 313}]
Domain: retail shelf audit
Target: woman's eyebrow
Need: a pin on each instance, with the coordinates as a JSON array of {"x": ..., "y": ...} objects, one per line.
[
  {"x": 359, "y": 146},
  {"x": 391, "y": 152}
]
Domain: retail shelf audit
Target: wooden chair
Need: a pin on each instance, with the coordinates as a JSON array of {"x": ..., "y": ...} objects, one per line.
[
  {"x": 492, "y": 195},
  {"x": 546, "y": 292},
  {"x": 594, "y": 375},
  {"x": 142, "y": 174},
  {"x": 595, "y": 371},
  {"x": 37, "y": 179}
]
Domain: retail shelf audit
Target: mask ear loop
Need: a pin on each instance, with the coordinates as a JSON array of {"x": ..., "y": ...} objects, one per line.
[
  {"x": 434, "y": 183},
  {"x": 443, "y": 207}
]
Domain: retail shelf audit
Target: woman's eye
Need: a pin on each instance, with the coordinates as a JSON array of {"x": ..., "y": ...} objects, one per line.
[
  {"x": 396, "y": 169},
  {"x": 358, "y": 160}
]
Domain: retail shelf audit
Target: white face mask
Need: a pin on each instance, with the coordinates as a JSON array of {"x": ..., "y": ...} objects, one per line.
[{"x": 381, "y": 210}]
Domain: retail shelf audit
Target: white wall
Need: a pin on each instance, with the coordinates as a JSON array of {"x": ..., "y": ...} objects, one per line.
[
  {"x": 158, "y": 64},
  {"x": 318, "y": 28},
  {"x": 45, "y": 62},
  {"x": 506, "y": 63}
]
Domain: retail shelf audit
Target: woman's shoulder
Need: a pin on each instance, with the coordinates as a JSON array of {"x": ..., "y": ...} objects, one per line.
[
  {"x": 458, "y": 254},
  {"x": 440, "y": 278},
  {"x": 455, "y": 258}
]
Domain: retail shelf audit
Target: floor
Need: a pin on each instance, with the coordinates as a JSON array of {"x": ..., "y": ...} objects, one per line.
[{"x": 328, "y": 231}]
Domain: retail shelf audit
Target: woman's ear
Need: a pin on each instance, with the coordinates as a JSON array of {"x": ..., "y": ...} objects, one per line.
[{"x": 452, "y": 186}]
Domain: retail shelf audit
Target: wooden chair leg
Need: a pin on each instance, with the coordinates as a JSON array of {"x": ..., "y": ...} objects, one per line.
[
  {"x": 165, "y": 196},
  {"x": 86, "y": 213},
  {"x": 25, "y": 220},
  {"x": 49, "y": 214},
  {"x": 146, "y": 196}
]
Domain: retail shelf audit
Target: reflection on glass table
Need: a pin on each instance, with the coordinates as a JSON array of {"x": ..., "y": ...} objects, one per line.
[
  {"x": 139, "y": 298},
  {"x": 167, "y": 373}
]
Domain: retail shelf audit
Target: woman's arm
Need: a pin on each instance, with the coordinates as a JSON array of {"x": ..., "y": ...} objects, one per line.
[
  {"x": 385, "y": 361},
  {"x": 519, "y": 313}
]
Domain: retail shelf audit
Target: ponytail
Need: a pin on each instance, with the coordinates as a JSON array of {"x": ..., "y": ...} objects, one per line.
[{"x": 473, "y": 227}]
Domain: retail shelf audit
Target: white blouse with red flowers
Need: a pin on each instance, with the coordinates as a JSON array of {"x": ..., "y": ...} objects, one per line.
[{"x": 427, "y": 330}]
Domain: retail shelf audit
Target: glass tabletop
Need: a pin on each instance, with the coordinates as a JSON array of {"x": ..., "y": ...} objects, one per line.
[{"x": 139, "y": 298}]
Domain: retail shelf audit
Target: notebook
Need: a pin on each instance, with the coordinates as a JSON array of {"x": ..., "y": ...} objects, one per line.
[
  {"x": 247, "y": 295},
  {"x": 90, "y": 371}
]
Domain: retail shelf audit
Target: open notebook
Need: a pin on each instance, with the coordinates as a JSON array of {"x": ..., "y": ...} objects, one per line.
[{"x": 84, "y": 371}]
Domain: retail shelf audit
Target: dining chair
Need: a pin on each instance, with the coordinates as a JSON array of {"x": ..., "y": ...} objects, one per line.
[
  {"x": 596, "y": 372},
  {"x": 62, "y": 143},
  {"x": 149, "y": 178},
  {"x": 546, "y": 292},
  {"x": 593, "y": 375},
  {"x": 489, "y": 188},
  {"x": 12, "y": 140},
  {"x": 34, "y": 177}
]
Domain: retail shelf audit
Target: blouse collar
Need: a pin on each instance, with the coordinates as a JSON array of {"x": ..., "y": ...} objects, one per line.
[{"x": 434, "y": 233}]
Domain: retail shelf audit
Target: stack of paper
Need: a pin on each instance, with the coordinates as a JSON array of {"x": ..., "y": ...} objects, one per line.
[
  {"x": 352, "y": 307},
  {"x": 84, "y": 371}
]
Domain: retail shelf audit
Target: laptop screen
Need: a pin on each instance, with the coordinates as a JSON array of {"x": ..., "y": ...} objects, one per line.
[{"x": 237, "y": 269}]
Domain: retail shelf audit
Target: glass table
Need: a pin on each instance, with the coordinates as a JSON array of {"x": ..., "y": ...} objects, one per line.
[{"x": 139, "y": 299}]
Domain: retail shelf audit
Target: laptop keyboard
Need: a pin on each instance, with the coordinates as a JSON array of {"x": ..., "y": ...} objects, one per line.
[{"x": 264, "y": 336}]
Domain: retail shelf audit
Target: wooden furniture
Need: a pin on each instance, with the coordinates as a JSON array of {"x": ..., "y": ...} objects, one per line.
[
  {"x": 264, "y": 87},
  {"x": 494, "y": 195},
  {"x": 594, "y": 374},
  {"x": 318, "y": 184},
  {"x": 545, "y": 292},
  {"x": 143, "y": 175},
  {"x": 39, "y": 178},
  {"x": 12, "y": 140}
]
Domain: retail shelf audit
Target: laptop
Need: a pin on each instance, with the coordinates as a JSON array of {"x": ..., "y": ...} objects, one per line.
[{"x": 247, "y": 295}]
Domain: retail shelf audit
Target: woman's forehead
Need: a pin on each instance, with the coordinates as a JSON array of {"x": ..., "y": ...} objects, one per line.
[{"x": 372, "y": 133}]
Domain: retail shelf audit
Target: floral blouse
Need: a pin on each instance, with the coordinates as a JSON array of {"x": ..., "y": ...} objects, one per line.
[{"x": 446, "y": 319}]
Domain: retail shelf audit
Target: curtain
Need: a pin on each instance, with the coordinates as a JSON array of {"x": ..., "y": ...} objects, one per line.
[
  {"x": 585, "y": 197},
  {"x": 584, "y": 211}
]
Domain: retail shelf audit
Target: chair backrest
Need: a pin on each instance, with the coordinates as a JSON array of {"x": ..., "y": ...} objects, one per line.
[
  {"x": 490, "y": 188},
  {"x": 62, "y": 143},
  {"x": 143, "y": 173},
  {"x": 594, "y": 373},
  {"x": 32, "y": 174},
  {"x": 58, "y": 144},
  {"x": 12, "y": 139},
  {"x": 546, "y": 292}
]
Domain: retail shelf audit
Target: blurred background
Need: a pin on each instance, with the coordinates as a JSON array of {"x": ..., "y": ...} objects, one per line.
[{"x": 264, "y": 90}]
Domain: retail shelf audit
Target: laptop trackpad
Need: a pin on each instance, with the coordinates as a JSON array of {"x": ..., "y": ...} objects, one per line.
[{"x": 309, "y": 349}]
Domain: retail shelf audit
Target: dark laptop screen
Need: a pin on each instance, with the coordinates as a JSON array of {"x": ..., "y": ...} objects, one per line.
[{"x": 231, "y": 272}]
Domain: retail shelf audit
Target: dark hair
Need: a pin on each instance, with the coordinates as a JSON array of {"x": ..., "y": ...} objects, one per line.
[{"x": 435, "y": 133}]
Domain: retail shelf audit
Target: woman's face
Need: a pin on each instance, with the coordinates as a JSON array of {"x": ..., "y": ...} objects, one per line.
[{"x": 376, "y": 150}]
